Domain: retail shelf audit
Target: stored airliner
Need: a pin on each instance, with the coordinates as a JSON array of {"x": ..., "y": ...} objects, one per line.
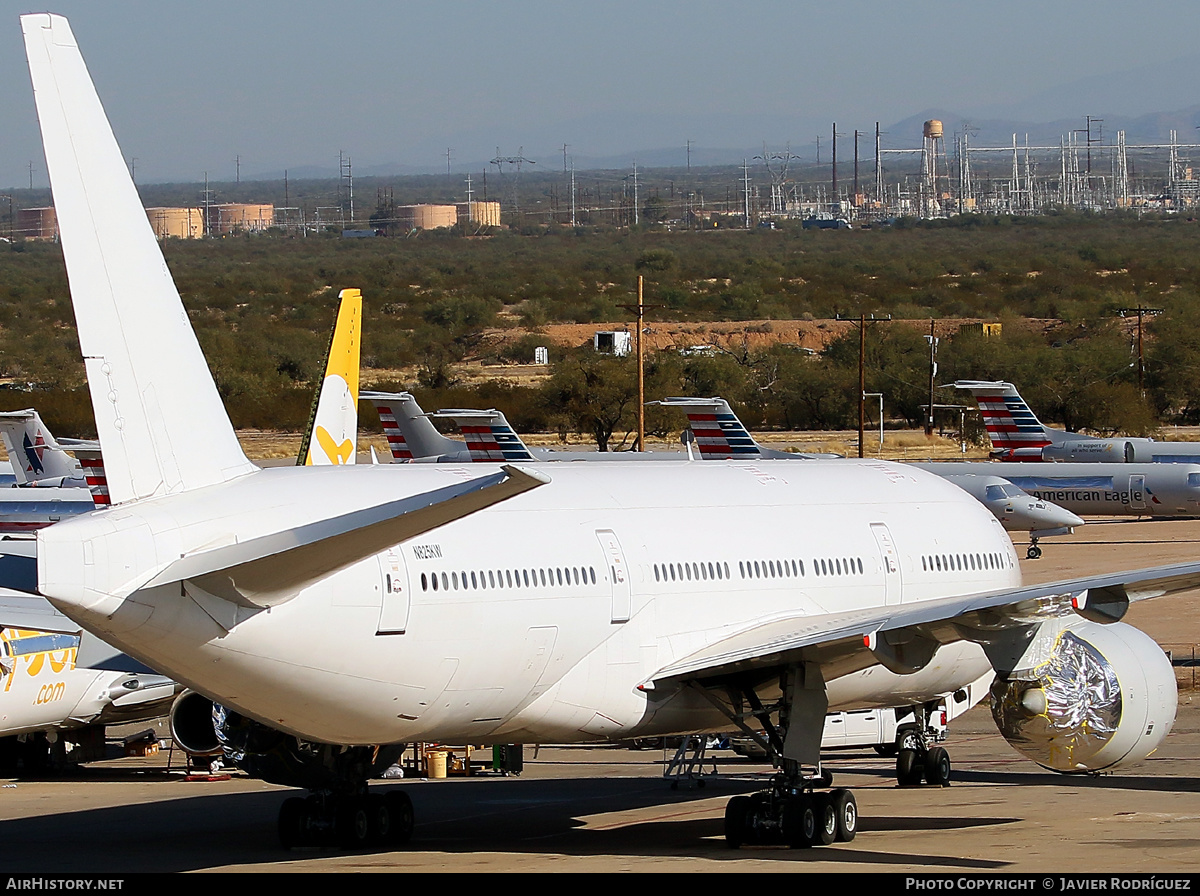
[
  {"x": 1017, "y": 434},
  {"x": 720, "y": 435},
  {"x": 339, "y": 612}
]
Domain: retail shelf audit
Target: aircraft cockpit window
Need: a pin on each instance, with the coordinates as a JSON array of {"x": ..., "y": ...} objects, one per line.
[{"x": 1193, "y": 480}]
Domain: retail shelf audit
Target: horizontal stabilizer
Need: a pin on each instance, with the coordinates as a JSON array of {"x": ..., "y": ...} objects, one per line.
[
  {"x": 33, "y": 612},
  {"x": 271, "y": 569}
]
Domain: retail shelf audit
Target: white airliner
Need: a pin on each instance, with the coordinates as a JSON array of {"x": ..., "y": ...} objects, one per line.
[
  {"x": 1017, "y": 434},
  {"x": 331, "y": 610}
]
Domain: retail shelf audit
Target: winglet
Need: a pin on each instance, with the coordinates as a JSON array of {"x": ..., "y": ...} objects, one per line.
[{"x": 151, "y": 388}]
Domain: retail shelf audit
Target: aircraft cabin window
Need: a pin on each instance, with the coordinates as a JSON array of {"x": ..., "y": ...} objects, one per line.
[
  {"x": 592, "y": 572},
  {"x": 424, "y": 582}
]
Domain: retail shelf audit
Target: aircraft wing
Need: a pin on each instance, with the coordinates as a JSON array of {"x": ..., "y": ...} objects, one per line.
[{"x": 902, "y": 637}]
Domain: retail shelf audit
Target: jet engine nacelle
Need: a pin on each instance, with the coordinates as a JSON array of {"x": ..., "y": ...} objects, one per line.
[
  {"x": 1104, "y": 697},
  {"x": 1117, "y": 451},
  {"x": 191, "y": 720}
]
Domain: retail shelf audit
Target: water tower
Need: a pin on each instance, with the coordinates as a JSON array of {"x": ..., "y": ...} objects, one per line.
[{"x": 935, "y": 181}]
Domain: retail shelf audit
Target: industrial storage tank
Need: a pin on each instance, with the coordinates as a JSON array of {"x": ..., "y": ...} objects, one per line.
[
  {"x": 37, "y": 223},
  {"x": 240, "y": 217},
  {"x": 180, "y": 223},
  {"x": 933, "y": 128},
  {"x": 426, "y": 217},
  {"x": 484, "y": 213}
]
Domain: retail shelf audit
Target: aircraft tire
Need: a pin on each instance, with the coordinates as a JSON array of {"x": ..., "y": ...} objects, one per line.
[
  {"x": 909, "y": 767},
  {"x": 353, "y": 824},
  {"x": 293, "y": 823},
  {"x": 937, "y": 767},
  {"x": 402, "y": 818},
  {"x": 845, "y": 808},
  {"x": 1033, "y": 553},
  {"x": 800, "y": 823},
  {"x": 827, "y": 818},
  {"x": 737, "y": 811}
]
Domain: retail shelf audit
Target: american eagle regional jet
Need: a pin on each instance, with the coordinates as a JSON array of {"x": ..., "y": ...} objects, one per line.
[{"x": 339, "y": 612}]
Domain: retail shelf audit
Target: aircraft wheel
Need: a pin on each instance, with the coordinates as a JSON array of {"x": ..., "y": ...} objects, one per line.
[
  {"x": 937, "y": 767},
  {"x": 402, "y": 818},
  {"x": 379, "y": 820},
  {"x": 293, "y": 823},
  {"x": 827, "y": 819},
  {"x": 845, "y": 808},
  {"x": 909, "y": 767},
  {"x": 1034, "y": 552},
  {"x": 800, "y": 822},
  {"x": 353, "y": 823},
  {"x": 737, "y": 814}
]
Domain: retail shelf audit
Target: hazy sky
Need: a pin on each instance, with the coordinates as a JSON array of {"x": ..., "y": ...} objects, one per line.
[{"x": 191, "y": 86}]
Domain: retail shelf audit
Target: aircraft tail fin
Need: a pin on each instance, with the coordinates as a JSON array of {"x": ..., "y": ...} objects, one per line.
[
  {"x": 719, "y": 433},
  {"x": 92, "y": 462},
  {"x": 490, "y": 437},
  {"x": 1012, "y": 427},
  {"x": 35, "y": 453},
  {"x": 409, "y": 433},
  {"x": 332, "y": 436},
  {"x": 151, "y": 388}
]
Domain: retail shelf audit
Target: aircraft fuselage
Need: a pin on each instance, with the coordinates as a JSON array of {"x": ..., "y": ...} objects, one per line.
[{"x": 537, "y": 618}]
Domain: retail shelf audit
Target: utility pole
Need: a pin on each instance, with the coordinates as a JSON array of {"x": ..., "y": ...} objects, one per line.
[
  {"x": 640, "y": 310},
  {"x": 863, "y": 320},
  {"x": 1140, "y": 312},
  {"x": 933, "y": 343}
]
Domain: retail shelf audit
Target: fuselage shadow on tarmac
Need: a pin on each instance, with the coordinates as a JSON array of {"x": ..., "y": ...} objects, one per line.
[{"x": 570, "y": 818}]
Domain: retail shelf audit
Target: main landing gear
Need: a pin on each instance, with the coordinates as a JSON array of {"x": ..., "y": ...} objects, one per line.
[
  {"x": 791, "y": 816},
  {"x": 350, "y": 820},
  {"x": 800, "y": 809}
]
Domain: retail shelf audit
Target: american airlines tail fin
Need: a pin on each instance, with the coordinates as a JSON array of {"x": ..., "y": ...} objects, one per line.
[
  {"x": 409, "y": 433},
  {"x": 719, "y": 433},
  {"x": 151, "y": 388},
  {"x": 490, "y": 437},
  {"x": 92, "y": 461},
  {"x": 35, "y": 454},
  {"x": 332, "y": 436},
  {"x": 1013, "y": 428}
]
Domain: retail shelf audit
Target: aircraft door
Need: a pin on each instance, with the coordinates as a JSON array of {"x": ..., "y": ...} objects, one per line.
[
  {"x": 890, "y": 559},
  {"x": 617, "y": 572},
  {"x": 1137, "y": 492},
  {"x": 393, "y": 575}
]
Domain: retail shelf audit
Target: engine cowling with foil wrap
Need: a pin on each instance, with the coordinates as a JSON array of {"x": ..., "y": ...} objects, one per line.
[{"x": 1089, "y": 697}]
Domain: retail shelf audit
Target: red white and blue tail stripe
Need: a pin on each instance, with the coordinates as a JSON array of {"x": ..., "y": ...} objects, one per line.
[
  {"x": 718, "y": 431},
  {"x": 490, "y": 438},
  {"x": 1014, "y": 429}
]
